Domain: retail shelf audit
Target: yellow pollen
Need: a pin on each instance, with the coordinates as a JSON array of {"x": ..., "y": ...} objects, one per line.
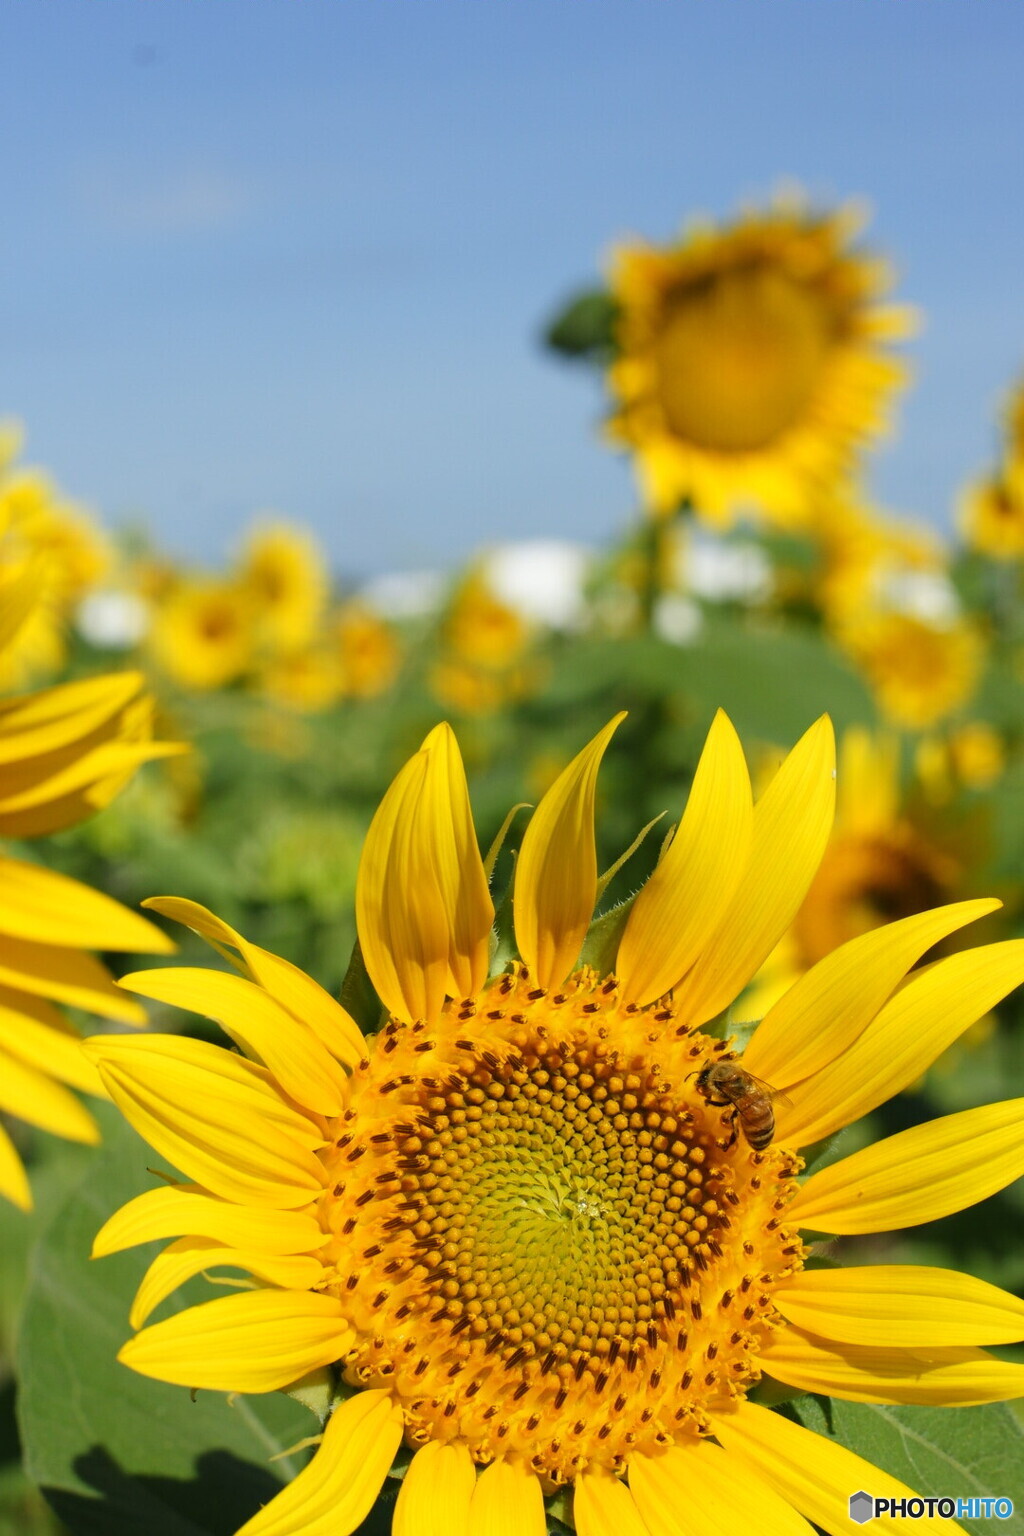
[{"x": 547, "y": 1234}]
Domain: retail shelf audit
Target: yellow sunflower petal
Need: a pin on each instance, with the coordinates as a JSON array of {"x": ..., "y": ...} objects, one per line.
[
  {"x": 42, "y": 905},
  {"x": 816, "y": 1475},
  {"x": 556, "y": 874},
  {"x": 792, "y": 822},
  {"x": 336, "y": 1491},
  {"x": 255, "y": 1021},
  {"x": 199, "y": 1106},
  {"x": 52, "y": 1051},
  {"x": 917, "y": 1175},
  {"x": 192, "y": 1255},
  {"x": 68, "y": 976},
  {"x": 80, "y": 789},
  {"x": 828, "y": 1007},
  {"x": 172, "y": 1210},
  {"x": 27, "y": 1005},
  {"x": 460, "y": 867},
  {"x": 925, "y": 1016},
  {"x": 435, "y": 1493},
  {"x": 36, "y": 1098},
  {"x": 49, "y": 719},
  {"x": 941, "y": 1376},
  {"x": 604, "y": 1506},
  {"x": 255, "y": 1341},
  {"x": 306, "y": 999},
  {"x": 900, "y": 1305},
  {"x": 690, "y": 1490},
  {"x": 13, "y": 1179},
  {"x": 679, "y": 908},
  {"x": 292, "y": 988},
  {"x": 403, "y": 926},
  {"x": 18, "y": 596},
  {"x": 507, "y": 1501}
]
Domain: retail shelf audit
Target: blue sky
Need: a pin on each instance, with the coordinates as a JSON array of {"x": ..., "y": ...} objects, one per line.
[{"x": 295, "y": 254}]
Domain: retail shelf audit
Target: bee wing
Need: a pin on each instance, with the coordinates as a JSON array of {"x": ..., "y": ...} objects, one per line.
[{"x": 775, "y": 1094}]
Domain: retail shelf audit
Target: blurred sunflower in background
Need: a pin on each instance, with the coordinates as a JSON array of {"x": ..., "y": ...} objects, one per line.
[
  {"x": 752, "y": 361},
  {"x": 867, "y": 558},
  {"x": 65, "y": 752},
  {"x": 921, "y": 670},
  {"x": 536, "y": 1224},
  {"x": 991, "y": 509},
  {"x": 66, "y": 551},
  {"x": 284, "y": 572},
  {"x": 202, "y": 632},
  {"x": 883, "y": 862},
  {"x": 367, "y": 648},
  {"x": 309, "y": 679},
  {"x": 482, "y": 662}
]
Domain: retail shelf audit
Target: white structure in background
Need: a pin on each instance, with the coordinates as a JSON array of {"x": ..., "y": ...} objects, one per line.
[
  {"x": 112, "y": 619},
  {"x": 405, "y": 594},
  {"x": 721, "y": 570},
  {"x": 677, "y": 619},
  {"x": 542, "y": 579},
  {"x": 926, "y": 595}
]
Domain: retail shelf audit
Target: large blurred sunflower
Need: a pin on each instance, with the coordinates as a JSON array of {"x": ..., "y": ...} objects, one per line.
[
  {"x": 517, "y": 1223},
  {"x": 750, "y": 362},
  {"x": 65, "y": 752}
]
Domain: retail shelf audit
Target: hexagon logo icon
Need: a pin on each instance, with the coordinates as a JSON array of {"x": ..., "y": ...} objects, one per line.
[{"x": 862, "y": 1507}]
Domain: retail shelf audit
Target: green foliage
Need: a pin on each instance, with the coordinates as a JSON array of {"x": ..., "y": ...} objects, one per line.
[
  {"x": 585, "y": 327},
  {"x": 114, "y": 1452},
  {"x": 938, "y": 1452}
]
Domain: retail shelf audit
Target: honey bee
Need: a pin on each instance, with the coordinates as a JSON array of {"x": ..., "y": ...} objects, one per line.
[{"x": 749, "y": 1098}]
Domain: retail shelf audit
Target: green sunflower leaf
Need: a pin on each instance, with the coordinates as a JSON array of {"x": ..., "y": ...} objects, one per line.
[
  {"x": 114, "y": 1452},
  {"x": 958, "y": 1453},
  {"x": 601, "y": 945},
  {"x": 585, "y": 327},
  {"x": 504, "y": 950}
]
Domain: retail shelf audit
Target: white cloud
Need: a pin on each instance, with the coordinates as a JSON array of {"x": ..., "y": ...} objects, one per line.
[{"x": 129, "y": 199}]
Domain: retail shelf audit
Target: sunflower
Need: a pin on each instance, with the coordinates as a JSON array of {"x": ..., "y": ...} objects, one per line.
[
  {"x": 920, "y": 670},
  {"x": 202, "y": 634},
  {"x": 66, "y": 554},
  {"x": 482, "y": 629},
  {"x": 65, "y": 752},
  {"x": 749, "y": 366},
  {"x": 483, "y": 665},
  {"x": 369, "y": 651},
  {"x": 867, "y": 557},
  {"x": 991, "y": 514},
  {"x": 284, "y": 572},
  {"x": 468, "y": 690},
  {"x": 977, "y": 754},
  {"x": 307, "y": 680},
  {"x": 1013, "y": 423},
  {"x": 514, "y": 1225}
]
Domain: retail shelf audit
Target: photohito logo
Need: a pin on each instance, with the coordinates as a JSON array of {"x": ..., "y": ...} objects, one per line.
[{"x": 863, "y": 1507}]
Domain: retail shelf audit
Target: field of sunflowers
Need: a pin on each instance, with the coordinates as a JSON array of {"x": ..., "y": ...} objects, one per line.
[{"x": 539, "y": 1046}]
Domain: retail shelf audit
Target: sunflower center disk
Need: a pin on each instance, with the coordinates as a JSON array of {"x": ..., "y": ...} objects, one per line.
[
  {"x": 740, "y": 356},
  {"x": 544, "y": 1240}
]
